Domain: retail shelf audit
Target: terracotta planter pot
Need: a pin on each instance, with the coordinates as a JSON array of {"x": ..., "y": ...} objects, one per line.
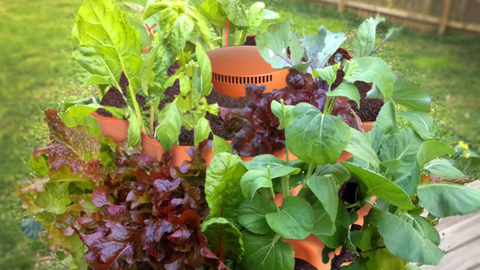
[
  {"x": 113, "y": 127},
  {"x": 367, "y": 126},
  {"x": 234, "y": 66}
]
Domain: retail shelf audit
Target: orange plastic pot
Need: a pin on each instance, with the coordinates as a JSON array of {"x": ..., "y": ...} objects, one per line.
[
  {"x": 367, "y": 126},
  {"x": 113, "y": 127},
  {"x": 234, "y": 66}
]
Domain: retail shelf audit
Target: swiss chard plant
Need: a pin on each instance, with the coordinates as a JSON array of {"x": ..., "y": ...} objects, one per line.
[
  {"x": 231, "y": 21},
  {"x": 114, "y": 208},
  {"x": 110, "y": 54},
  {"x": 384, "y": 174}
]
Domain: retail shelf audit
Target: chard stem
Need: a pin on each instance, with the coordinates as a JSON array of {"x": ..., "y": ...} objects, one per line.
[{"x": 152, "y": 120}]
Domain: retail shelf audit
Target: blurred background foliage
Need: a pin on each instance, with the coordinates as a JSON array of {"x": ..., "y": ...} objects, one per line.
[{"x": 35, "y": 75}]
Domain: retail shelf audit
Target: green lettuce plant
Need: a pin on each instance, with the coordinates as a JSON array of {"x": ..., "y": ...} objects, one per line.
[
  {"x": 231, "y": 20},
  {"x": 109, "y": 52},
  {"x": 387, "y": 165}
]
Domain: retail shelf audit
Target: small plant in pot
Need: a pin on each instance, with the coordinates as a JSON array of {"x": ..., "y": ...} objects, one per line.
[{"x": 143, "y": 72}]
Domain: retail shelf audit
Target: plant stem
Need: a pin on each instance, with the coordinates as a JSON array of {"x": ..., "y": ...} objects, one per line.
[
  {"x": 272, "y": 193},
  {"x": 137, "y": 108},
  {"x": 152, "y": 120},
  {"x": 325, "y": 108},
  {"x": 330, "y": 108},
  {"x": 371, "y": 250},
  {"x": 100, "y": 92},
  {"x": 285, "y": 186},
  {"x": 309, "y": 173}
]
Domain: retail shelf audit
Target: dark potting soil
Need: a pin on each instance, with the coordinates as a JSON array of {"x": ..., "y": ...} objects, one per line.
[
  {"x": 369, "y": 108},
  {"x": 250, "y": 41},
  {"x": 303, "y": 265},
  {"x": 187, "y": 137},
  {"x": 343, "y": 52},
  {"x": 112, "y": 98}
]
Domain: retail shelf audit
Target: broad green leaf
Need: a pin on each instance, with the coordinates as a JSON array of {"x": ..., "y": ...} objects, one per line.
[
  {"x": 134, "y": 131},
  {"x": 443, "y": 167},
  {"x": 335, "y": 171},
  {"x": 220, "y": 145},
  {"x": 294, "y": 220},
  {"x": 202, "y": 130},
  {"x": 235, "y": 12},
  {"x": 222, "y": 185},
  {"x": 387, "y": 118},
  {"x": 378, "y": 185},
  {"x": 273, "y": 45},
  {"x": 97, "y": 20},
  {"x": 328, "y": 74},
  {"x": 212, "y": 11},
  {"x": 323, "y": 224},
  {"x": 348, "y": 90},
  {"x": 39, "y": 166},
  {"x": 254, "y": 180},
  {"x": 421, "y": 121},
  {"x": 409, "y": 181},
  {"x": 255, "y": 15},
  {"x": 206, "y": 69},
  {"x": 401, "y": 146},
  {"x": 404, "y": 241},
  {"x": 91, "y": 69},
  {"x": 270, "y": 15},
  {"x": 78, "y": 113},
  {"x": 372, "y": 70},
  {"x": 341, "y": 233},
  {"x": 314, "y": 137},
  {"x": 386, "y": 260},
  {"x": 31, "y": 228},
  {"x": 56, "y": 197},
  {"x": 266, "y": 252},
  {"x": 326, "y": 190},
  {"x": 220, "y": 232},
  {"x": 390, "y": 168},
  {"x": 422, "y": 225},
  {"x": 147, "y": 75},
  {"x": 411, "y": 96},
  {"x": 443, "y": 200},
  {"x": 170, "y": 123},
  {"x": 363, "y": 42},
  {"x": 375, "y": 137},
  {"x": 251, "y": 214},
  {"x": 361, "y": 148},
  {"x": 278, "y": 167},
  {"x": 430, "y": 150},
  {"x": 320, "y": 47}
]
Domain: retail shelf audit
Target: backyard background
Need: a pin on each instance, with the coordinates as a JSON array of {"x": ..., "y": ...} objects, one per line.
[{"x": 35, "y": 75}]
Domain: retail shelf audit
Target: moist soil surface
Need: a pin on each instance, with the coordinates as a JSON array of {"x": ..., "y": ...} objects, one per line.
[
  {"x": 303, "y": 265},
  {"x": 369, "y": 108},
  {"x": 250, "y": 41}
]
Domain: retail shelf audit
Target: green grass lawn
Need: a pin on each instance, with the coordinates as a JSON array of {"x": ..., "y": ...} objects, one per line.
[{"x": 35, "y": 75}]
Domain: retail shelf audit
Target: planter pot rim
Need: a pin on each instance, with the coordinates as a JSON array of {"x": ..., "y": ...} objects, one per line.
[{"x": 106, "y": 119}]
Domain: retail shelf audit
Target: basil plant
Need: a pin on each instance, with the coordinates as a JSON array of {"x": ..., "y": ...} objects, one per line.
[{"x": 132, "y": 55}]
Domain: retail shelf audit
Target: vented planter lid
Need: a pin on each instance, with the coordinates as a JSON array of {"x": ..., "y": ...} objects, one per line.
[{"x": 235, "y": 66}]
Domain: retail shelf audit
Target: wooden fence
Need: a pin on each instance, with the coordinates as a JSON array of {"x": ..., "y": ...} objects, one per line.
[{"x": 427, "y": 15}]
